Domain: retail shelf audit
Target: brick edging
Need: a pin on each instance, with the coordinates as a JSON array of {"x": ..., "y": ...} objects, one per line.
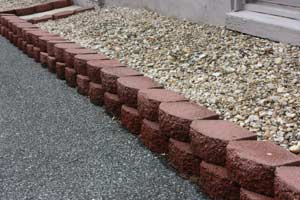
[{"x": 224, "y": 159}]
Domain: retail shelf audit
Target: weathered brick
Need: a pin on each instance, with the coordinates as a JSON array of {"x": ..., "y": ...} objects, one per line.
[{"x": 131, "y": 119}]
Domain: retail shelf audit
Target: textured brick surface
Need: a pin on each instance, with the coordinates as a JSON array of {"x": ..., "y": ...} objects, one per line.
[
  {"x": 21, "y": 27},
  {"x": 131, "y": 119},
  {"x": 214, "y": 181},
  {"x": 96, "y": 94},
  {"x": 25, "y": 11},
  {"x": 60, "y": 70},
  {"x": 182, "y": 159},
  {"x": 43, "y": 7},
  {"x": 94, "y": 68},
  {"x": 152, "y": 137},
  {"x": 51, "y": 64},
  {"x": 252, "y": 164},
  {"x": 69, "y": 55},
  {"x": 81, "y": 60},
  {"x": 247, "y": 195},
  {"x": 44, "y": 40},
  {"x": 70, "y": 76},
  {"x": 29, "y": 50},
  {"x": 36, "y": 54},
  {"x": 44, "y": 59},
  {"x": 175, "y": 118},
  {"x": 128, "y": 88},
  {"x": 51, "y": 43},
  {"x": 209, "y": 138},
  {"x": 109, "y": 77},
  {"x": 150, "y": 99},
  {"x": 83, "y": 83},
  {"x": 112, "y": 104},
  {"x": 61, "y": 3},
  {"x": 287, "y": 183},
  {"x": 59, "y": 50}
]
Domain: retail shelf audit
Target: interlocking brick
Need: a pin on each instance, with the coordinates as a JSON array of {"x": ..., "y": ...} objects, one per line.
[
  {"x": 112, "y": 104},
  {"x": 51, "y": 64},
  {"x": 59, "y": 50},
  {"x": 60, "y": 70},
  {"x": 69, "y": 55},
  {"x": 96, "y": 94},
  {"x": 44, "y": 59},
  {"x": 70, "y": 76},
  {"x": 131, "y": 119},
  {"x": 83, "y": 83},
  {"x": 44, "y": 40},
  {"x": 81, "y": 60}
]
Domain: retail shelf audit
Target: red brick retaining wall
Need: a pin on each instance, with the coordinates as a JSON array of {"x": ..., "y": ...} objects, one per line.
[{"x": 225, "y": 160}]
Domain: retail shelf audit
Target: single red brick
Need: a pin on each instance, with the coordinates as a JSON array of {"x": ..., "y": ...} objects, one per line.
[
  {"x": 247, "y": 195},
  {"x": 209, "y": 139},
  {"x": 29, "y": 50},
  {"x": 96, "y": 94},
  {"x": 42, "y": 19},
  {"x": 287, "y": 183},
  {"x": 61, "y": 3},
  {"x": 131, "y": 119},
  {"x": 252, "y": 164},
  {"x": 214, "y": 181},
  {"x": 69, "y": 55},
  {"x": 109, "y": 77},
  {"x": 59, "y": 50},
  {"x": 51, "y": 64},
  {"x": 80, "y": 10},
  {"x": 60, "y": 70},
  {"x": 175, "y": 118},
  {"x": 51, "y": 43},
  {"x": 70, "y": 76},
  {"x": 94, "y": 68},
  {"x": 150, "y": 99},
  {"x": 14, "y": 39},
  {"x": 128, "y": 88},
  {"x": 44, "y": 40},
  {"x": 25, "y": 11},
  {"x": 81, "y": 60},
  {"x": 112, "y": 104},
  {"x": 63, "y": 14},
  {"x": 182, "y": 159},
  {"x": 152, "y": 137},
  {"x": 83, "y": 83},
  {"x": 43, "y": 7},
  {"x": 23, "y": 32},
  {"x": 24, "y": 47},
  {"x": 19, "y": 43},
  {"x": 36, "y": 54},
  {"x": 44, "y": 59}
]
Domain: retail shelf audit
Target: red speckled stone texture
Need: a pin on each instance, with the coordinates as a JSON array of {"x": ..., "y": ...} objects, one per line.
[
  {"x": 247, "y": 195},
  {"x": 182, "y": 159},
  {"x": 70, "y": 76},
  {"x": 131, "y": 119},
  {"x": 44, "y": 40},
  {"x": 96, "y": 94},
  {"x": 150, "y": 99},
  {"x": 152, "y": 137},
  {"x": 287, "y": 183},
  {"x": 51, "y": 43},
  {"x": 81, "y": 60},
  {"x": 83, "y": 83},
  {"x": 43, "y": 7},
  {"x": 51, "y": 64},
  {"x": 44, "y": 59},
  {"x": 69, "y": 55},
  {"x": 29, "y": 50},
  {"x": 128, "y": 88},
  {"x": 209, "y": 139},
  {"x": 94, "y": 68},
  {"x": 175, "y": 118},
  {"x": 252, "y": 164},
  {"x": 36, "y": 54},
  {"x": 59, "y": 50},
  {"x": 109, "y": 77},
  {"x": 60, "y": 70},
  {"x": 112, "y": 104},
  {"x": 214, "y": 181}
]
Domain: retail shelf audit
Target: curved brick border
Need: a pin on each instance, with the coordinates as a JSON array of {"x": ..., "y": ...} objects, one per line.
[{"x": 225, "y": 159}]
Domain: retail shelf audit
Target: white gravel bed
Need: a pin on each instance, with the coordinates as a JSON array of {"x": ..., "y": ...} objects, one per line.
[
  {"x": 13, "y": 4},
  {"x": 251, "y": 81}
]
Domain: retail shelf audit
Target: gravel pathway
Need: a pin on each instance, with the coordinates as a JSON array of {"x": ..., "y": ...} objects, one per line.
[
  {"x": 13, "y": 4},
  {"x": 251, "y": 81},
  {"x": 54, "y": 144}
]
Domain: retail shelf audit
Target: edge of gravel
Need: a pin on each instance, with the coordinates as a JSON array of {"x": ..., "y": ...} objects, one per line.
[{"x": 198, "y": 145}]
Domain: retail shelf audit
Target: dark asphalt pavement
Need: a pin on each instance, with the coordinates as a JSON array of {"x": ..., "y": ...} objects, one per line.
[{"x": 55, "y": 145}]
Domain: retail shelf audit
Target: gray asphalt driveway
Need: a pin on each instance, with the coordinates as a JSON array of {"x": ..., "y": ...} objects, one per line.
[{"x": 54, "y": 144}]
